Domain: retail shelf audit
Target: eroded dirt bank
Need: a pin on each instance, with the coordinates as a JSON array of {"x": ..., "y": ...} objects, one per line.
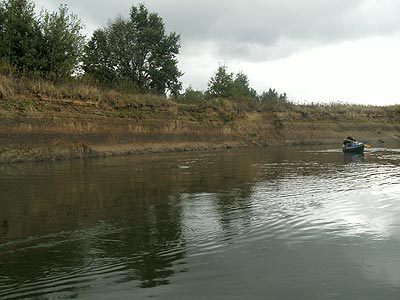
[{"x": 40, "y": 135}]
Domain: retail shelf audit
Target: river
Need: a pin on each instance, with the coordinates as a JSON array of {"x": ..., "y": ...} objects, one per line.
[{"x": 265, "y": 223}]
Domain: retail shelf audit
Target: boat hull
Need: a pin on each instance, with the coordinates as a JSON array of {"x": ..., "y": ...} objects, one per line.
[{"x": 353, "y": 149}]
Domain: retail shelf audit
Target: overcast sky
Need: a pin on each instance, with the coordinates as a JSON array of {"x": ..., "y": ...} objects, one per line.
[{"x": 314, "y": 50}]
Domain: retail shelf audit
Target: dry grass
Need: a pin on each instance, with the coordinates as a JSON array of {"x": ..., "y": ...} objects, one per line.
[
  {"x": 47, "y": 89},
  {"x": 124, "y": 103},
  {"x": 75, "y": 89},
  {"x": 6, "y": 91}
]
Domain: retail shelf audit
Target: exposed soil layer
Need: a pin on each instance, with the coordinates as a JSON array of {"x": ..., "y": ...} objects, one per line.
[{"x": 66, "y": 130}]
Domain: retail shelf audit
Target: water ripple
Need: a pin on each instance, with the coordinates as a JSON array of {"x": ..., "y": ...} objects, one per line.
[{"x": 269, "y": 206}]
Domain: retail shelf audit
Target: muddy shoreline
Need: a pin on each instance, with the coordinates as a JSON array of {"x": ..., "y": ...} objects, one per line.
[{"x": 45, "y": 137}]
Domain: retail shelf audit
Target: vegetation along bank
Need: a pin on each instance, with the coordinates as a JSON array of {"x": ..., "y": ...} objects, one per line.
[{"x": 64, "y": 96}]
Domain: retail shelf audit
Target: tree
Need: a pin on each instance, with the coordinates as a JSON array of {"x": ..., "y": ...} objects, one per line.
[
  {"x": 272, "y": 96},
  {"x": 51, "y": 44},
  {"x": 61, "y": 43},
  {"x": 228, "y": 85},
  {"x": 137, "y": 50},
  {"x": 241, "y": 88},
  {"x": 192, "y": 96},
  {"x": 19, "y": 35},
  {"x": 98, "y": 59},
  {"x": 220, "y": 84}
]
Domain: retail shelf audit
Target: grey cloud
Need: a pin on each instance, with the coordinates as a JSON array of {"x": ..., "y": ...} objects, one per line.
[
  {"x": 98, "y": 13},
  {"x": 257, "y": 29},
  {"x": 240, "y": 29}
]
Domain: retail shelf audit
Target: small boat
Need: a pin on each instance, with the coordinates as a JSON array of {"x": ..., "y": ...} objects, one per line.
[{"x": 353, "y": 148}]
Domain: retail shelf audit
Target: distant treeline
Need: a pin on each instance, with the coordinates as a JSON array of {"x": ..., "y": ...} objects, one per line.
[{"x": 133, "y": 54}]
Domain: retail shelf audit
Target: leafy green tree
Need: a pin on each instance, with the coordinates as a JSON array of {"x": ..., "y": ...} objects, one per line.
[
  {"x": 220, "y": 84},
  {"x": 50, "y": 44},
  {"x": 138, "y": 50},
  {"x": 2, "y": 20},
  {"x": 98, "y": 59},
  {"x": 228, "y": 85},
  {"x": 192, "y": 96},
  {"x": 19, "y": 35},
  {"x": 272, "y": 96},
  {"x": 61, "y": 43},
  {"x": 241, "y": 88}
]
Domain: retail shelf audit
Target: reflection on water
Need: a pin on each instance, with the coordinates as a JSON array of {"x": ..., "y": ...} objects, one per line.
[
  {"x": 354, "y": 158},
  {"x": 293, "y": 223}
]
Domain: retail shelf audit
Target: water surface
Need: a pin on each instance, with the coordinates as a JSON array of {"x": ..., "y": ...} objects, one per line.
[{"x": 270, "y": 223}]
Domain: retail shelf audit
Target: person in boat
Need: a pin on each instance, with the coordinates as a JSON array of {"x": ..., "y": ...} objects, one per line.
[{"x": 349, "y": 141}]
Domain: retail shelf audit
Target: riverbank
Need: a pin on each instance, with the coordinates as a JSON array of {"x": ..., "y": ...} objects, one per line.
[
  {"x": 40, "y": 136},
  {"x": 38, "y": 124}
]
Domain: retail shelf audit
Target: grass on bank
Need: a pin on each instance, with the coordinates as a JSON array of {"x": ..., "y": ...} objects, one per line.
[{"x": 27, "y": 93}]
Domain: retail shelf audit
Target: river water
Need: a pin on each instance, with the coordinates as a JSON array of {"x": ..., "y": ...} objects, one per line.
[{"x": 268, "y": 223}]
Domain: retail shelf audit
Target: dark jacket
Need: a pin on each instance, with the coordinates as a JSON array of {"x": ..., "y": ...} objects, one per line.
[{"x": 348, "y": 140}]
